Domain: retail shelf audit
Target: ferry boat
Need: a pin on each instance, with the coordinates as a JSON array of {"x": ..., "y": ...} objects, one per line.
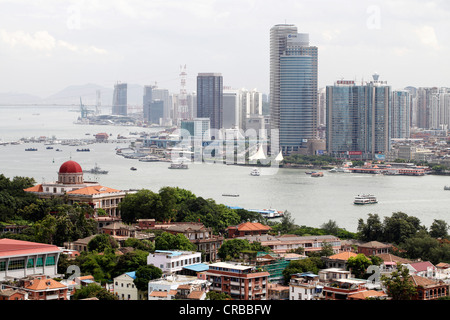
[
  {"x": 365, "y": 199},
  {"x": 268, "y": 213},
  {"x": 255, "y": 172}
]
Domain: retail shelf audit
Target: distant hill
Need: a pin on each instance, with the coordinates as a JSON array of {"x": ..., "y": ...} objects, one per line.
[
  {"x": 71, "y": 96},
  {"x": 15, "y": 98}
]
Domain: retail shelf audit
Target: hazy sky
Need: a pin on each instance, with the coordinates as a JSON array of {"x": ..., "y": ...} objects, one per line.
[{"x": 46, "y": 45}]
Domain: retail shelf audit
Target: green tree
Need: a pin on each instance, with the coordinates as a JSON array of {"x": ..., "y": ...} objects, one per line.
[
  {"x": 372, "y": 230},
  {"x": 144, "y": 274},
  {"x": 439, "y": 229},
  {"x": 168, "y": 241},
  {"x": 400, "y": 227},
  {"x": 231, "y": 249},
  {"x": 214, "y": 295},
  {"x": 93, "y": 290},
  {"x": 129, "y": 262},
  {"x": 399, "y": 284},
  {"x": 311, "y": 264},
  {"x": 101, "y": 242},
  {"x": 330, "y": 227},
  {"x": 358, "y": 265}
]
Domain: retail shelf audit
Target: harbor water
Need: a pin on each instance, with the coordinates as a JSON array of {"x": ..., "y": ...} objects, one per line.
[{"x": 311, "y": 201}]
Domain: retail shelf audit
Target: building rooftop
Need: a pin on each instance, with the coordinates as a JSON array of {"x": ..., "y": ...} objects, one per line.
[{"x": 11, "y": 247}]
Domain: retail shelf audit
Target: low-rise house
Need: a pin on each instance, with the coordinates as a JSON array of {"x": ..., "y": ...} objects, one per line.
[
  {"x": 166, "y": 288},
  {"x": 338, "y": 260},
  {"x": 333, "y": 274},
  {"x": 248, "y": 229},
  {"x": 428, "y": 289},
  {"x": 286, "y": 243},
  {"x": 241, "y": 282},
  {"x": 13, "y": 294},
  {"x": 124, "y": 287},
  {"x": 422, "y": 268},
  {"x": 173, "y": 261},
  {"x": 373, "y": 248},
  {"x": 305, "y": 286},
  {"x": 341, "y": 289},
  {"x": 368, "y": 295},
  {"x": 41, "y": 287},
  {"x": 276, "y": 291}
]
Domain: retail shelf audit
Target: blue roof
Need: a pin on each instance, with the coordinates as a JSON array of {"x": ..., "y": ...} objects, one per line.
[
  {"x": 172, "y": 253},
  {"x": 197, "y": 267},
  {"x": 235, "y": 207},
  {"x": 131, "y": 274}
]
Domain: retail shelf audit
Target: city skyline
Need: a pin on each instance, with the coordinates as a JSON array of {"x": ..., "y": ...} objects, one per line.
[{"x": 48, "y": 45}]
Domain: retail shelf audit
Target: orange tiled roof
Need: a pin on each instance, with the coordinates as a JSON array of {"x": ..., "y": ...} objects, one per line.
[
  {"x": 93, "y": 190},
  {"x": 158, "y": 294},
  {"x": 45, "y": 284},
  {"x": 252, "y": 226},
  {"x": 367, "y": 294},
  {"x": 36, "y": 188},
  {"x": 196, "y": 294},
  {"x": 343, "y": 256}
]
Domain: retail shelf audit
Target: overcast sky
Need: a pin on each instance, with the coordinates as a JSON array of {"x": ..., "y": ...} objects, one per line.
[{"x": 47, "y": 45}]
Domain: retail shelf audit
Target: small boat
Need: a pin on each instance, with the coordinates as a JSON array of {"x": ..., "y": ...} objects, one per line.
[
  {"x": 446, "y": 187},
  {"x": 255, "y": 172},
  {"x": 133, "y": 168},
  {"x": 230, "y": 195},
  {"x": 365, "y": 199},
  {"x": 83, "y": 150},
  {"x": 178, "y": 166},
  {"x": 31, "y": 149},
  {"x": 49, "y": 148},
  {"x": 310, "y": 172},
  {"x": 268, "y": 213},
  {"x": 317, "y": 174}
]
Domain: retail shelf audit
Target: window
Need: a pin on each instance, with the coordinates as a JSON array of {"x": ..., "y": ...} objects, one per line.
[
  {"x": 50, "y": 261},
  {"x": 39, "y": 262},
  {"x": 30, "y": 263},
  {"x": 2, "y": 265},
  {"x": 16, "y": 264}
]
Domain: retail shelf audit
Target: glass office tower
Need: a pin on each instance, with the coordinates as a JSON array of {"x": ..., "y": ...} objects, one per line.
[
  {"x": 210, "y": 98},
  {"x": 119, "y": 106},
  {"x": 293, "y": 87}
]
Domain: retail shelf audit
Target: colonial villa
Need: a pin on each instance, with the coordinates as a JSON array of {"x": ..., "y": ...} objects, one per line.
[{"x": 71, "y": 184}]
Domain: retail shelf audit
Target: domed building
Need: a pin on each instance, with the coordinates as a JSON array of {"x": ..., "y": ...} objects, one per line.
[{"x": 71, "y": 184}]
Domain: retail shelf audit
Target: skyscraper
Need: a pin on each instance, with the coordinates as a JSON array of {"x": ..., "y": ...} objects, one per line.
[
  {"x": 358, "y": 119},
  {"x": 400, "y": 117},
  {"x": 293, "y": 87},
  {"x": 119, "y": 106},
  {"x": 210, "y": 98}
]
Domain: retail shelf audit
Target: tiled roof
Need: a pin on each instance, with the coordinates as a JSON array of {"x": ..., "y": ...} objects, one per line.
[
  {"x": 36, "y": 188},
  {"x": 387, "y": 257},
  {"x": 11, "y": 247},
  {"x": 252, "y": 226},
  {"x": 422, "y": 266},
  {"x": 362, "y": 295},
  {"x": 93, "y": 190},
  {"x": 422, "y": 281},
  {"x": 45, "y": 284},
  {"x": 342, "y": 256},
  {"x": 196, "y": 294},
  {"x": 374, "y": 244}
]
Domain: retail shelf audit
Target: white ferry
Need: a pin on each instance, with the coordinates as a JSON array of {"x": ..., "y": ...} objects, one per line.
[{"x": 365, "y": 199}]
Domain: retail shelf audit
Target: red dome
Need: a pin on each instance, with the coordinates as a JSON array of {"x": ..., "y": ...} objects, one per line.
[{"x": 70, "y": 167}]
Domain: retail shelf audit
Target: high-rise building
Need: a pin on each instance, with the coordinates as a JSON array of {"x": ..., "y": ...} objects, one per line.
[
  {"x": 358, "y": 119},
  {"x": 293, "y": 87},
  {"x": 146, "y": 101},
  {"x": 400, "y": 117},
  {"x": 210, "y": 98},
  {"x": 119, "y": 106}
]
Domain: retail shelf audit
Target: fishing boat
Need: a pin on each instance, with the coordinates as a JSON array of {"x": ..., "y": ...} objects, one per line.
[
  {"x": 365, "y": 199},
  {"x": 230, "y": 195},
  {"x": 83, "y": 150},
  {"x": 178, "y": 166},
  {"x": 133, "y": 168},
  {"x": 31, "y": 149}
]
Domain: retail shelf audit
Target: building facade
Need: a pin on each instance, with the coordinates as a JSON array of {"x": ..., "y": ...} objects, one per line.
[
  {"x": 210, "y": 98},
  {"x": 120, "y": 99},
  {"x": 293, "y": 87},
  {"x": 358, "y": 119}
]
